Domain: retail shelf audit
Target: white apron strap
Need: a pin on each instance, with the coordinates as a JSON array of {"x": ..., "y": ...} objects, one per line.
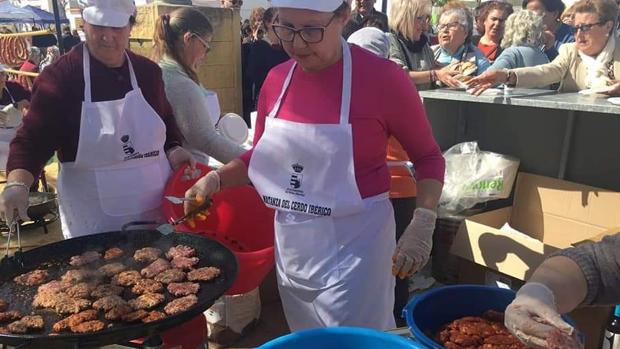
[
  {"x": 347, "y": 73},
  {"x": 87, "y": 81}
]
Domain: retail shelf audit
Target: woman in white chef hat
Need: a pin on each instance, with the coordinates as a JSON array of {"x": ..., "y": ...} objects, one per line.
[{"x": 324, "y": 119}]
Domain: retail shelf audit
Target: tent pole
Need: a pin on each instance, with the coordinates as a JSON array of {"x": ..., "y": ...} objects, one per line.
[{"x": 58, "y": 29}]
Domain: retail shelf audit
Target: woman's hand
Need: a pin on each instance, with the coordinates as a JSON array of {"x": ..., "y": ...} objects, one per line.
[
  {"x": 414, "y": 247},
  {"x": 487, "y": 80},
  {"x": 178, "y": 156},
  {"x": 615, "y": 92},
  {"x": 446, "y": 76},
  {"x": 548, "y": 38}
]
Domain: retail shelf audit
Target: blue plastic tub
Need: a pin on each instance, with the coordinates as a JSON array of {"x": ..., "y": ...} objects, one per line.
[
  {"x": 341, "y": 338},
  {"x": 428, "y": 312}
]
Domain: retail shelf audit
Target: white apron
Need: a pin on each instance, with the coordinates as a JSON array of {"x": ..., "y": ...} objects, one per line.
[
  {"x": 333, "y": 248},
  {"x": 120, "y": 169}
]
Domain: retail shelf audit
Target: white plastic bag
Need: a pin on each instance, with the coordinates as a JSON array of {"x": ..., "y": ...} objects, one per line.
[
  {"x": 474, "y": 176},
  {"x": 229, "y": 316}
]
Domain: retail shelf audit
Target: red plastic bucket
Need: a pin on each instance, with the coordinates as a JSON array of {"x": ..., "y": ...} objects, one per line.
[{"x": 237, "y": 219}]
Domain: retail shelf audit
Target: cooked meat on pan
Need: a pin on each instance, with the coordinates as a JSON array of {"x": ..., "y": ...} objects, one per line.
[
  {"x": 183, "y": 288},
  {"x": 153, "y": 316},
  {"x": 109, "y": 302},
  {"x": 203, "y": 274},
  {"x": 26, "y": 324},
  {"x": 113, "y": 253},
  {"x": 155, "y": 268},
  {"x": 33, "y": 278},
  {"x": 147, "y": 254},
  {"x": 135, "y": 316},
  {"x": 112, "y": 269},
  {"x": 147, "y": 301},
  {"x": 170, "y": 275},
  {"x": 4, "y": 305},
  {"x": 185, "y": 263},
  {"x": 54, "y": 286},
  {"x": 79, "y": 275},
  {"x": 45, "y": 299},
  {"x": 81, "y": 290},
  {"x": 85, "y": 258},
  {"x": 106, "y": 290},
  {"x": 10, "y": 315},
  {"x": 74, "y": 320},
  {"x": 116, "y": 313},
  {"x": 88, "y": 327},
  {"x": 180, "y": 305},
  {"x": 180, "y": 251},
  {"x": 66, "y": 305},
  {"x": 4, "y": 330},
  {"x": 147, "y": 286},
  {"x": 126, "y": 278}
]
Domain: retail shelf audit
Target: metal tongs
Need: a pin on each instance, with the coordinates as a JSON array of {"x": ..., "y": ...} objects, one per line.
[
  {"x": 14, "y": 227},
  {"x": 204, "y": 206}
]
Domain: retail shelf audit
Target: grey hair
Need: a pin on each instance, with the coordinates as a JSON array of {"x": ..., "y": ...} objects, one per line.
[
  {"x": 34, "y": 52},
  {"x": 523, "y": 28},
  {"x": 465, "y": 19}
]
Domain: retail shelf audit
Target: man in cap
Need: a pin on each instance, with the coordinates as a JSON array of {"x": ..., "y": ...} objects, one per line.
[
  {"x": 364, "y": 10},
  {"x": 104, "y": 110}
]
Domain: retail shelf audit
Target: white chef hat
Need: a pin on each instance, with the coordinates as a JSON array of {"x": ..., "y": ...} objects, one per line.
[
  {"x": 316, "y": 5},
  {"x": 372, "y": 39},
  {"x": 108, "y": 13}
]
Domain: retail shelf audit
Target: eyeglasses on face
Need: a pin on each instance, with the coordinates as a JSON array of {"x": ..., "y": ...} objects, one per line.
[
  {"x": 203, "y": 42},
  {"x": 310, "y": 35},
  {"x": 449, "y": 26},
  {"x": 584, "y": 28}
]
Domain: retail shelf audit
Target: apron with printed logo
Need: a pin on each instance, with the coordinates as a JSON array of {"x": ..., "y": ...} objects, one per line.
[
  {"x": 120, "y": 169},
  {"x": 333, "y": 248}
]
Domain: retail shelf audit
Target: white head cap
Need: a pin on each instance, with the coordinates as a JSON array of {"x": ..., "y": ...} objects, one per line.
[
  {"x": 316, "y": 5},
  {"x": 108, "y": 13},
  {"x": 372, "y": 39}
]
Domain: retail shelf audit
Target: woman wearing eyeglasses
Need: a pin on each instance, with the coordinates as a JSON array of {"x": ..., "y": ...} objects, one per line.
[
  {"x": 324, "y": 119},
  {"x": 181, "y": 43},
  {"x": 591, "y": 62},
  {"x": 454, "y": 32},
  {"x": 409, "y": 45}
]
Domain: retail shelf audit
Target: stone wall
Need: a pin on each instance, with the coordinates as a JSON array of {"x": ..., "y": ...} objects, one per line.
[{"x": 221, "y": 71}]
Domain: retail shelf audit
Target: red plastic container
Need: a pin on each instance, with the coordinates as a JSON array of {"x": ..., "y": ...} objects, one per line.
[{"x": 238, "y": 219}]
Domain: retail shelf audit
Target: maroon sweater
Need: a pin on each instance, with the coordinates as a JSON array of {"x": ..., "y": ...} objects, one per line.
[{"x": 53, "y": 120}]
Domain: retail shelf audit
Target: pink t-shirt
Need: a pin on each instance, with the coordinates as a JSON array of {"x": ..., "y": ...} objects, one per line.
[{"x": 384, "y": 102}]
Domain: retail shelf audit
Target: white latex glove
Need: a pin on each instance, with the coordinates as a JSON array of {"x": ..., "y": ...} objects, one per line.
[
  {"x": 205, "y": 187},
  {"x": 533, "y": 315},
  {"x": 178, "y": 156},
  {"x": 414, "y": 246},
  {"x": 14, "y": 199}
]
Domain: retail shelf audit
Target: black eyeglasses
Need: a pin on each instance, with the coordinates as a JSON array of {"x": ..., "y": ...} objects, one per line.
[
  {"x": 584, "y": 28},
  {"x": 310, "y": 35}
]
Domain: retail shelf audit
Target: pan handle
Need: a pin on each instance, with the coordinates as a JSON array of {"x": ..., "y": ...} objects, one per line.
[
  {"x": 24, "y": 345},
  {"x": 129, "y": 225}
]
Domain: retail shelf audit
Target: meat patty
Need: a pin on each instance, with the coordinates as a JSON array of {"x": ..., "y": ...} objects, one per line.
[
  {"x": 147, "y": 254},
  {"x": 81, "y": 290},
  {"x": 33, "y": 278},
  {"x": 180, "y": 305},
  {"x": 54, "y": 286},
  {"x": 74, "y": 320},
  {"x": 154, "y": 316},
  {"x": 155, "y": 268},
  {"x": 85, "y": 258},
  {"x": 45, "y": 299},
  {"x": 185, "y": 263},
  {"x": 560, "y": 340},
  {"x": 112, "y": 269},
  {"x": 10, "y": 315},
  {"x": 67, "y": 305},
  {"x": 113, "y": 253},
  {"x": 170, "y": 275},
  {"x": 108, "y": 302},
  {"x": 180, "y": 251},
  {"x": 4, "y": 305},
  {"x": 78, "y": 275},
  {"x": 126, "y": 278},
  {"x": 4, "y": 330},
  {"x": 135, "y": 316},
  {"x": 106, "y": 290},
  {"x": 203, "y": 274},
  {"x": 88, "y": 327},
  {"x": 183, "y": 288},
  {"x": 147, "y": 301},
  {"x": 27, "y": 324},
  {"x": 117, "y": 312},
  {"x": 147, "y": 286}
]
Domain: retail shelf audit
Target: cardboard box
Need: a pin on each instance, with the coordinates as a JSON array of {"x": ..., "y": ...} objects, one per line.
[{"x": 553, "y": 215}]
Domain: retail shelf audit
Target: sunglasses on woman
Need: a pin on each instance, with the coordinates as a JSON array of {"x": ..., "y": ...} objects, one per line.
[{"x": 310, "y": 35}]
